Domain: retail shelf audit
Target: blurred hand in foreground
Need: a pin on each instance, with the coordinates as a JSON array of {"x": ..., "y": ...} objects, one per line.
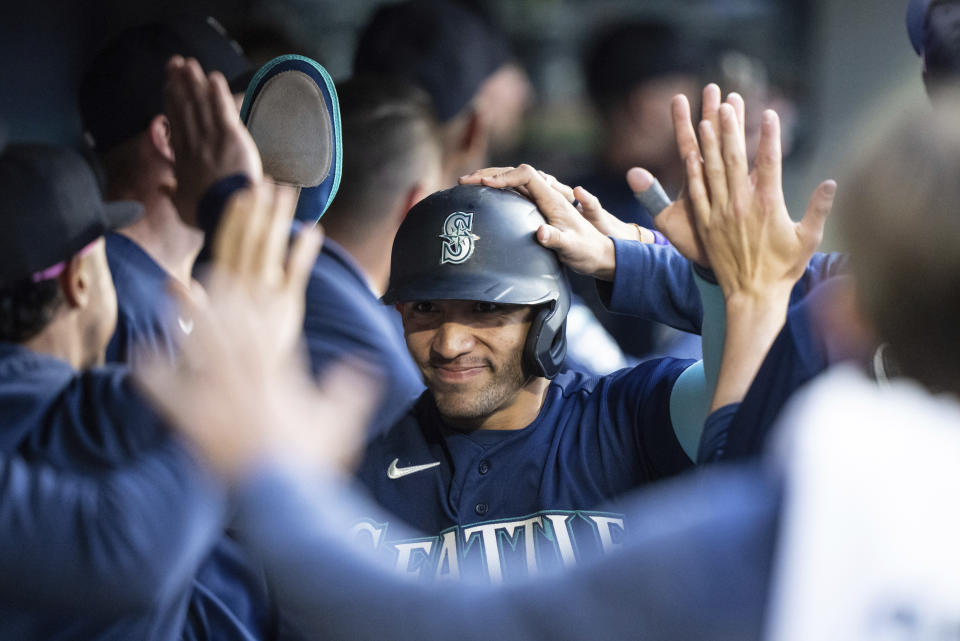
[
  {"x": 240, "y": 391},
  {"x": 209, "y": 141}
]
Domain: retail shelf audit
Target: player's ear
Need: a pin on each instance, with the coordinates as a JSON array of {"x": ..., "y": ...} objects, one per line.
[
  {"x": 475, "y": 134},
  {"x": 465, "y": 140},
  {"x": 417, "y": 192},
  {"x": 159, "y": 130},
  {"x": 75, "y": 282}
]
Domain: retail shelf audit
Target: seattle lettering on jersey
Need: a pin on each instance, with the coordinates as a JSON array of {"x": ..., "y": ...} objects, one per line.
[{"x": 500, "y": 550}]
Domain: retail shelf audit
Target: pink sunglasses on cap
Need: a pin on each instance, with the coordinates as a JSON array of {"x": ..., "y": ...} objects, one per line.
[{"x": 55, "y": 270}]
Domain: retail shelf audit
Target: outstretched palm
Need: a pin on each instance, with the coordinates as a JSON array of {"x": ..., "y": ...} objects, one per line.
[
  {"x": 675, "y": 220},
  {"x": 754, "y": 246}
]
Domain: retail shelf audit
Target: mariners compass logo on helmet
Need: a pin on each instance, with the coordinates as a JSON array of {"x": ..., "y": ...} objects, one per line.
[{"x": 458, "y": 238}]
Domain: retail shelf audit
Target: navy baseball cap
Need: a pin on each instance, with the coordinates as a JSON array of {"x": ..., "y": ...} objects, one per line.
[
  {"x": 122, "y": 89},
  {"x": 446, "y": 49},
  {"x": 50, "y": 209}
]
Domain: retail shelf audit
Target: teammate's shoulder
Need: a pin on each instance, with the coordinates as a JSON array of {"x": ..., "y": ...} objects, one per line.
[
  {"x": 654, "y": 369},
  {"x": 571, "y": 382},
  {"x": 23, "y": 365},
  {"x": 420, "y": 418},
  {"x": 110, "y": 384},
  {"x": 132, "y": 268},
  {"x": 331, "y": 282},
  {"x": 334, "y": 265}
]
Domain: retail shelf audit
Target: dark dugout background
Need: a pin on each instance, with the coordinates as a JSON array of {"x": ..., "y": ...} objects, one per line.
[{"x": 832, "y": 59}]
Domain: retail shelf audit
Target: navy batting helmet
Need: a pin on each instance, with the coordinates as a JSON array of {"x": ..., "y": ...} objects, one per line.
[{"x": 479, "y": 243}]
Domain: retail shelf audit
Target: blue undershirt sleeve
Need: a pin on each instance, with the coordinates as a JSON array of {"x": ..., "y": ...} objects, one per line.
[{"x": 693, "y": 391}]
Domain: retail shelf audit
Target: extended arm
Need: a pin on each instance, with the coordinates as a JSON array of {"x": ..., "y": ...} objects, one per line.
[
  {"x": 655, "y": 282},
  {"x": 819, "y": 331},
  {"x": 757, "y": 252},
  {"x": 694, "y": 389}
]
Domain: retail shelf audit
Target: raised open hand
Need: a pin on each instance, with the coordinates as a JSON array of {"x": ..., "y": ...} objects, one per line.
[
  {"x": 239, "y": 390},
  {"x": 675, "y": 219},
  {"x": 756, "y": 251},
  {"x": 209, "y": 141},
  {"x": 254, "y": 262},
  {"x": 754, "y": 247}
]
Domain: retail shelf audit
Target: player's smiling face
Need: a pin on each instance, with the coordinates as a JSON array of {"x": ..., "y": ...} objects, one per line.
[{"x": 470, "y": 354}]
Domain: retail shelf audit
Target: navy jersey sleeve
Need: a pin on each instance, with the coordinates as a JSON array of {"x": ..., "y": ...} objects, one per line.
[
  {"x": 822, "y": 267},
  {"x": 656, "y": 283},
  {"x": 696, "y": 567},
  {"x": 118, "y": 543},
  {"x": 653, "y": 282},
  {"x": 713, "y": 441},
  {"x": 638, "y": 402}
]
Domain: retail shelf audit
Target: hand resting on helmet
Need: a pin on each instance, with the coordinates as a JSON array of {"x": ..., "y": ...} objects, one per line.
[{"x": 577, "y": 240}]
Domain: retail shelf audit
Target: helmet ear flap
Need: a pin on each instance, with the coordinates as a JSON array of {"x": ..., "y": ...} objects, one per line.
[{"x": 546, "y": 346}]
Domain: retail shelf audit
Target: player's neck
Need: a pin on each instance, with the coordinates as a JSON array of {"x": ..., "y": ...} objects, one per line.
[
  {"x": 515, "y": 414},
  {"x": 63, "y": 339},
  {"x": 161, "y": 233},
  {"x": 372, "y": 256}
]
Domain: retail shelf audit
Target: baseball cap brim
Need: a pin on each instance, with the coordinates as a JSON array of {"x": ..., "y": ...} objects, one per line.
[
  {"x": 114, "y": 215},
  {"x": 52, "y": 208},
  {"x": 292, "y": 113}
]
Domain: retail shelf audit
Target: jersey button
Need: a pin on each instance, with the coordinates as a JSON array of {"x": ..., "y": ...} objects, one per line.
[
  {"x": 484, "y": 467},
  {"x": 481, "y": 508}
]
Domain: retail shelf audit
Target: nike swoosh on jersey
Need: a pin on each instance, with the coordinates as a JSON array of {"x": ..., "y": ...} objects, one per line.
[
  {"x": 394, "y": 472},
  {"x": 186, "y": 324}
]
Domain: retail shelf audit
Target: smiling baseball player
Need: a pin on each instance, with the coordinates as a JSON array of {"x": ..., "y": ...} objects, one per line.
[{"x": 505, "y": 460}]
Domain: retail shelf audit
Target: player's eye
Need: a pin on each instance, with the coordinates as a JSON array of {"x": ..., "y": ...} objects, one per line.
[
  {"x": 482, "y": 307},
  {"x": 423, "y": 307}
]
